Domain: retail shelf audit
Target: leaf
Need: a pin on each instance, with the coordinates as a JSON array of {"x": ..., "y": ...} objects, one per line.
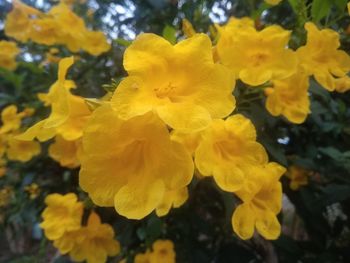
[
  {"x": 340, "y": 4},
  {"x": 320, "y": 9},
  {"x": 123, "y": 42},
  {"x": 331, "y": 152},
  {"x": 169, "y": 33},
  {"x": 294, "y": 5}
]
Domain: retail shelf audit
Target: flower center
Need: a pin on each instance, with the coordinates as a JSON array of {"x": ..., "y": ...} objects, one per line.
[
  {"x": 259, "y": 58},
  {"x": 165, "y": 91}
]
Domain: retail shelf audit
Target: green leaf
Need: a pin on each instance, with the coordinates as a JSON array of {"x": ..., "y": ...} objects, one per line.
[
  {"x": 169, "y": 33},
  {"x": 340, "y": 4},
  {"x": 320, "y": 9},
  {"x": 294, "y": 4},
  {"x": 123, "y": 42}
]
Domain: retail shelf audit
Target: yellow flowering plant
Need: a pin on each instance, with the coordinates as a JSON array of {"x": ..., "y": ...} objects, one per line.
[{"x": 165, "y": 131}]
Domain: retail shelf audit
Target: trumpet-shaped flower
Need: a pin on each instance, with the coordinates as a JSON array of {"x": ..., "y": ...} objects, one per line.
[
  {"x": 11, "y": 119},
  {"x": 174, "y": 198},
  {"x": 8, "y": 53},
  {"x": 23, "y": 151},
  {"x": 298, "y": 177},
  {"x": 131, "y": 164},
  {"x": 65, "y": 152},
  {"x": 180, "y": 83},
  {"x": 62, "y": 214},
  {"x": 262, "y": 199},
  {"x": 321, "y": 57},
  {"x": 93, "y": 243},
  {"x": 69, "y": 113},
  {"x": 163, "y": 252},
  {"x": 227, "y": 150},
  {"x": 289, "y": 97},
  {"x": 254, "y": 56}
]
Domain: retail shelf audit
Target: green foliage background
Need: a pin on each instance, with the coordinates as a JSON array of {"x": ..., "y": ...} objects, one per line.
[{"x": 316, "y": 224}]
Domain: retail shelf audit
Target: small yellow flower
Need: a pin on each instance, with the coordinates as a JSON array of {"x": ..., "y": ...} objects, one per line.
[
  {"x": 163, "y": 252},
  {"x": 131, "y": 164},
  {"x": 33, "y": 190},
  {"x": 321, "y": 57},
  {"x": 93, "y": 243},
  {"x": 174, "y": 198},
  {"x": 228, "y": 149},
  {"x": 23, "y": 151},
  {"x": 273, "y": 2},
  {"x": 254, "y": 56},
  {"x": 65, "y": 152},
  {"x": 63, "y": 213},
  {"x": 298, "y": 177},
  {"x": 95, "y": 43},
  {"x": 11, "y": 119},
  {"x": 289, "y": 97},
  {"x": 262, "y": 199},
  {"x": 180, "y": 83},
  {"x": 6, "y": 194},
  {"x": 8, "y": 53}
]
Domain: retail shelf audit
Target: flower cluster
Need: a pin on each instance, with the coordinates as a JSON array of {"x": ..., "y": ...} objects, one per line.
[
  {"x": 8, "y": 53},
  {"x": 162, "y": 251},
  {"x": 261, "y": 58},
  {"x": 58, "y": 26},
  {"x": 173, "y": 113},
  {"x": 62, "y": 224}
]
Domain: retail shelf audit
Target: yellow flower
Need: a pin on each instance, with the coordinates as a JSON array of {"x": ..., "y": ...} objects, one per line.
[
  {"x": 93, "y": 243},
  {"x": 180, "y": 83},
  {"x": 69, "y": 112},
  {"x": 44, "y": 31},
  {"x": 322, "y": 58},
  {"x": 348, "y": 8},
  {"x": 63, "y": 213},
  {"x": 95, "y": 43},
  {"x": 2, "y": 167},
  {"x": 131, "y": 164},
  {"x": 18, "y": 23},
  {"x": 289, "y": 97},
  {"x": 262, "y": 198},
  {"x": 273, "y": 2},
  {"x": 227, "y": 150},
  {"x": 342, "y": 84},
  {"x": 187, "y": 28},
  {"x": 189, "y": 140},
  {"x": 298, "y": 177},
  {"x": 174, "y": 198},
  {"x": 6, "y": 194},
  {"x": 8, "y": 53},
  {"x": 143, "y": 257},
  {"x": 23, "y": 151},
  {"x": 65, "y": 152},
  {"x": 11, "y": 119},
  {"x": 163, "y": 252},
  {"x": 254, "y": 56},
  {"x": 33, "y": 190}
]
